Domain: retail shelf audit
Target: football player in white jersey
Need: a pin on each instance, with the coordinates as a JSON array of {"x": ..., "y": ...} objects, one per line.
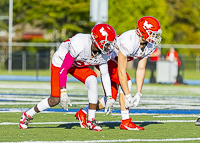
[
  {"x": 74, "y": 56},
  {"x": 133, "y": 44},
  {"x": 139, "y": 43}
]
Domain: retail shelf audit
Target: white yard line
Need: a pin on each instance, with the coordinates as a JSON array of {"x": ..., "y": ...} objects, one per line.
[
  {"x": 18, "y": 103},
  {"x": 164, "y": 116},
  {"x": 21, "y": 99},
  {"x": 33, "y": 103},
  {"x": 127, "y": 140}
]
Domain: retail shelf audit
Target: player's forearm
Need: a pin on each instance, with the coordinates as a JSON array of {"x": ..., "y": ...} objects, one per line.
[
  {"x": 107, "y": 84},
  {"x": 140, "y": 74},
  {"x": 123, "y": 81},
  {"x": 122, "y": 65},
  {"x": 105, "y": 77},
  {"x": 67, "y": 63}
]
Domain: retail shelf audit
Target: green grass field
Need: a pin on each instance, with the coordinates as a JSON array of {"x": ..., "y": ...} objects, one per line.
[
  {"x": 46, "y": 127},
  {"x": 63, "y": 126}
]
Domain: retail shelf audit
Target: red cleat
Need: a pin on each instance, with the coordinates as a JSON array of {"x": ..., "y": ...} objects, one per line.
[
  {"x": 128, "y": 125},
  {"x": 82, "y": 117},
  {"x": 92, "y": 125},
  {"x": 23, "y": 124}
]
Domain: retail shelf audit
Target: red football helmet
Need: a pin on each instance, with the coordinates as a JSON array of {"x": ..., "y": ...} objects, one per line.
[
  {"x": 149, "y": 28},
  {"x": 102, "y": 36}
]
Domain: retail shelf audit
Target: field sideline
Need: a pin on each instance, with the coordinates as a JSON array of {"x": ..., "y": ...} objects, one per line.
[{"x": 167, "y": 112}]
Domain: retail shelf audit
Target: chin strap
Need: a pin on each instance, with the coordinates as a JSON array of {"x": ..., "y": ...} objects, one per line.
[{"x": 144, "y": 45}]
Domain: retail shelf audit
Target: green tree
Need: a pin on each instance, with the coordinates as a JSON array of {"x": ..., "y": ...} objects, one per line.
[
  {"x": 179, "y": 19},
  {"x": 4, "y": 11},
  {"x": 65, "y": 17},
  {"x": 184, "y": 21},
  {"x": 123, "y": 15}
]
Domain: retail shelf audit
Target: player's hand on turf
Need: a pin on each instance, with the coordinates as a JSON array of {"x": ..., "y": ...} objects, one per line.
[
  {"x": 64, "y": 99},
  {"x": 136, "y": 99},
  {"x": 109, "y": 105},
  {"x": 128, "y": 101}
]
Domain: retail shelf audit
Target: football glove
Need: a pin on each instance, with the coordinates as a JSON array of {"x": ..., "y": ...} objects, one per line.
[
  {"x": 136, "y": 99},
  {"x": 64, "y": 99},
  {"x": 109, "y": 105},
  {"x": 128, "y": 101}
]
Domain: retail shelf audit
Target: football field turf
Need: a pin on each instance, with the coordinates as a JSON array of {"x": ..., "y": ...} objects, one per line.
[{"x": 167, "y": 112}]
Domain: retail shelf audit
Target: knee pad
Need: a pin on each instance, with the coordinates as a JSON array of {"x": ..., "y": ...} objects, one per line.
[{"x": 92, "y": 85}]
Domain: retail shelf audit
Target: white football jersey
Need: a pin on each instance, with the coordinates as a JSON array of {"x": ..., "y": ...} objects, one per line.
[
  {"x": 129, "y": 45},
  {"x": 79, "y": 47}
]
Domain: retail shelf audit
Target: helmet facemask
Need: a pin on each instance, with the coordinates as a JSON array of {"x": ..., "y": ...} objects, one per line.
[
  {"x": 107, "y": 46},
  {"x": 154, "y": 37}
]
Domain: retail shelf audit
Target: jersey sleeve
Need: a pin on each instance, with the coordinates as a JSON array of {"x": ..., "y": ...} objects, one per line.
[
  {"x": 125, "y": 49},
  {"x": 126, "y": 44},
  {"x": 76, "y": 46}
]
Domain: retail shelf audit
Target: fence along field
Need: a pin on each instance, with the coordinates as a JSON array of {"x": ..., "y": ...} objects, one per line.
[
  {"x": 57, "y": 125},
  {"x": 22, "y": 60}
]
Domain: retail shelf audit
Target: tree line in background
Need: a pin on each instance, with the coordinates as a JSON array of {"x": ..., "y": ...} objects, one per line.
[{"x": 179, "y": 18}]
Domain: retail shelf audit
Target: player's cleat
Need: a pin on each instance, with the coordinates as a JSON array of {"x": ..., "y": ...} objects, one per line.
[
  {"x": 92, "y": 125},
  {"x": 82, "y": 117},
  {"x": 128, "y": 125},
  {"x": 197, "y": 122},
  {"x": 23, "y": 124}
]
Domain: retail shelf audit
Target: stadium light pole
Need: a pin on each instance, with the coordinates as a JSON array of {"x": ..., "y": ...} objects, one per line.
[
  {"x": 10, "y": 36},
  {"x": 98, "y": 11}
]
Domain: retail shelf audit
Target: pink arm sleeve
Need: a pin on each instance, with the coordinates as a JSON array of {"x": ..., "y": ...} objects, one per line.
[{"x": 67, "y": 63}]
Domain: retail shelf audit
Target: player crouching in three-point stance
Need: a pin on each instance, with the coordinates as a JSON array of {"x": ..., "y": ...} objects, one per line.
[
  {"x": 133, "y": 44},
  {"x": 74, "y": 56}
]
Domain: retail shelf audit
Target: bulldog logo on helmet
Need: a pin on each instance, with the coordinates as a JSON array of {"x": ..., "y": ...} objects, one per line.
[
  {"x": 147, "y": 25},
  {"x": 103, "y": 32}
]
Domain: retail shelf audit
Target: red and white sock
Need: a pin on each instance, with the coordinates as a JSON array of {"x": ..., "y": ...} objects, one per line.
[
  {"x": 91, "y": 114},
  {"x": 125, "y": 114}
]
